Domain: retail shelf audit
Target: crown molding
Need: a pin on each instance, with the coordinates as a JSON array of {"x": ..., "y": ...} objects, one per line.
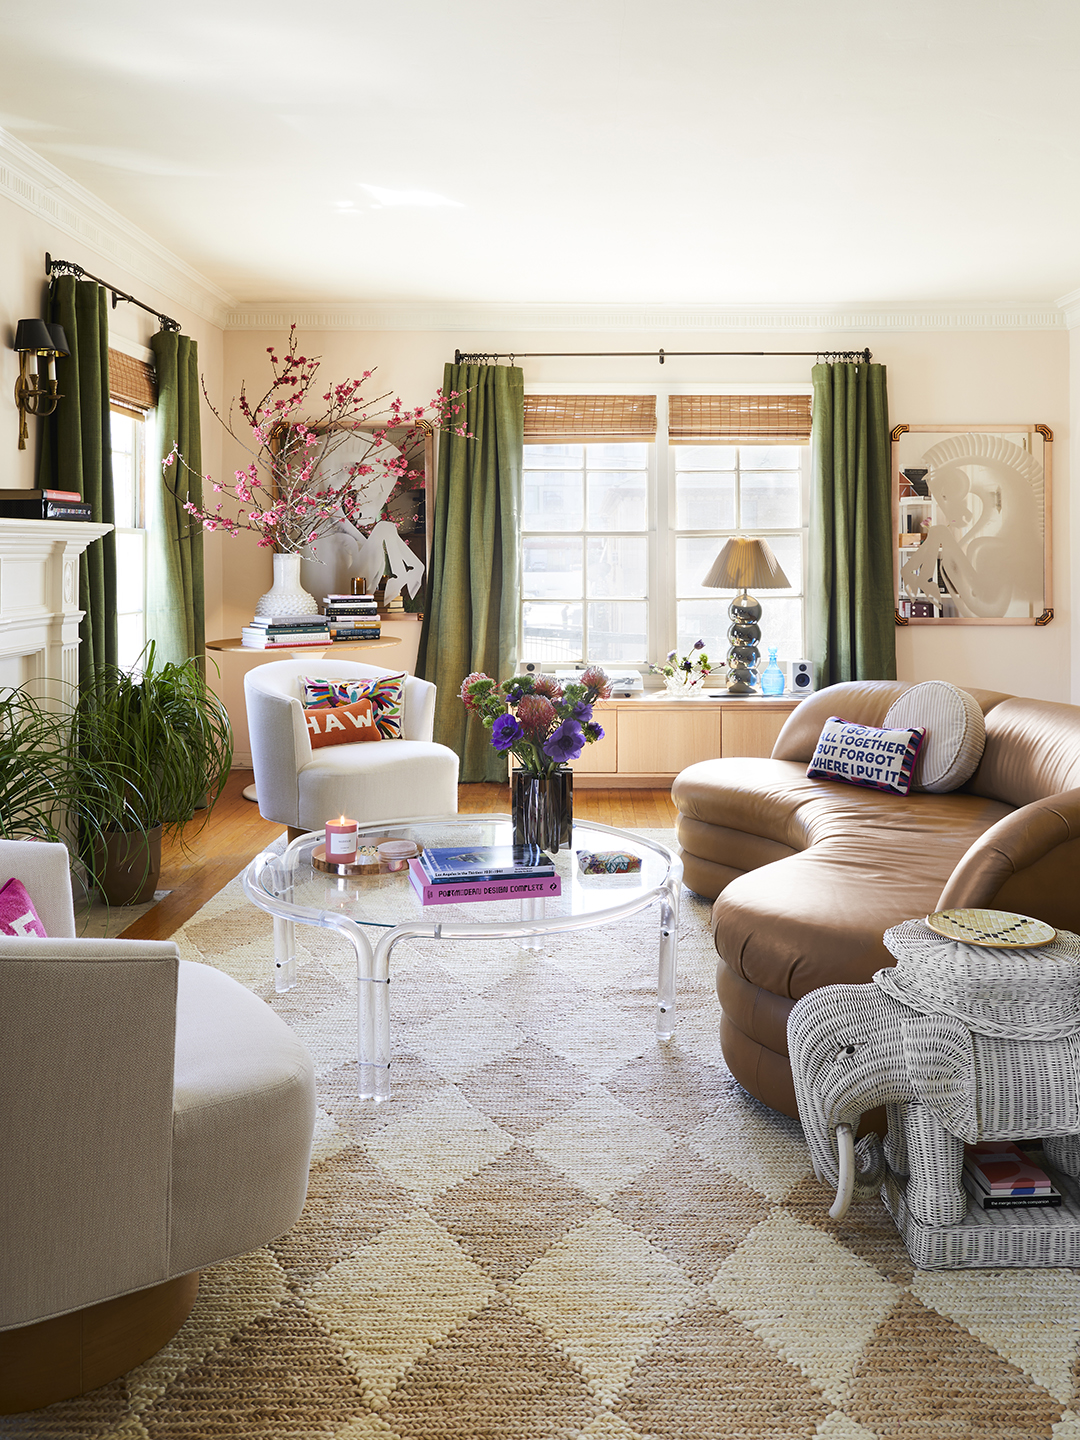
[
  {"x": 494, "y": 318},
  {"x": 1070, "y": 308},
  {"x": 68, "y": 207}
]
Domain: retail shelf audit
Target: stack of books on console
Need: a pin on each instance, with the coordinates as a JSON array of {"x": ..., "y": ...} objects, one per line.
[
  {"x": 352, "y": 617},
  {"x": 43, "y": 505},
  {"x": 1000, "y": 1176},
  {"x": 285, "y": 632},
  {"x": 454, "y": 876}
]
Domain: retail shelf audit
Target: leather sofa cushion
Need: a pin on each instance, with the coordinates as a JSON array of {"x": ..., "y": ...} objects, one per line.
[
  {"x": 1032, "y": 751},
  {"x": 872, "y": 860}
]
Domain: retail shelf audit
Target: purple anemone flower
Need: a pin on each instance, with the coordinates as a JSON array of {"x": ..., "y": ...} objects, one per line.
[
  {"x": 582, "y": 712},
  {"x": 505, "y": 733},
  {"x": 565, "y": 743}
]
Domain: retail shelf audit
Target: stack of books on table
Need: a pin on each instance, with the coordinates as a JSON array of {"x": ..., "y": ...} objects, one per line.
[
  {"x": 1000, "y": 1176},
  {"x": 43, "y": 505},
  {"x": 285, "y": 632},
  {"x": 454, "y": 876},
  {"x": 352, "y": 617}
]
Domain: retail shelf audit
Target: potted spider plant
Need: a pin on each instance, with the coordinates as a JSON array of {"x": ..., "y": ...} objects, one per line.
[
  {"x": 46, "y": 791},
  {"x": 161, "y": 739}
]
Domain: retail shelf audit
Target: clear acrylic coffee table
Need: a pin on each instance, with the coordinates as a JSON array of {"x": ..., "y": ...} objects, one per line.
[{"x": 294, "y": 892}]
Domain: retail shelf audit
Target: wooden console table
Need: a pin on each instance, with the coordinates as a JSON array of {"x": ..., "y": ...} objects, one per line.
[{"x": 649, "y": 738}]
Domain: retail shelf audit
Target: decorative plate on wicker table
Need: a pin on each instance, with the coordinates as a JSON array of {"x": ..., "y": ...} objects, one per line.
[{"x": 997, "y": 929}]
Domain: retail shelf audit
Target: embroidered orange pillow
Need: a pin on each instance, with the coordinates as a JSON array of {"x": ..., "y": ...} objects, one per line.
[{"x": 342, "y": 724}]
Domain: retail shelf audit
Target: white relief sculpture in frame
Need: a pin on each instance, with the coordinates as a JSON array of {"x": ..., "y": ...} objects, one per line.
[{"x": 972, "y": 524}]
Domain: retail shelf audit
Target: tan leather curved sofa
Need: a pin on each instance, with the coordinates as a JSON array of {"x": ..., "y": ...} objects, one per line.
[{"x": 807, "y": 875}]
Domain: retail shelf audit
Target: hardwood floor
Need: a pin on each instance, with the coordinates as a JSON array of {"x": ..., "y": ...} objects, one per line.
[{"x": 197, "y": 864}]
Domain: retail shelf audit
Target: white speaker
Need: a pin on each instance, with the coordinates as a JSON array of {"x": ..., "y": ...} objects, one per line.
[{"x": 802, "y": 676}]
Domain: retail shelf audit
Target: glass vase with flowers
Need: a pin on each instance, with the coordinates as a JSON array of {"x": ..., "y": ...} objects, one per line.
[
  {"x": 685, "y": 674},
  {"x": 544, "y": 724}
]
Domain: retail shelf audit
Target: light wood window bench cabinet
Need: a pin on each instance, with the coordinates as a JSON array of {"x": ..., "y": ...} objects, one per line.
[{"x": 649, "y": 738}]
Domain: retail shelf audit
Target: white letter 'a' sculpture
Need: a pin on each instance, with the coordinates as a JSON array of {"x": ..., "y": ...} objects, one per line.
[{"x": 989, "y": 493}]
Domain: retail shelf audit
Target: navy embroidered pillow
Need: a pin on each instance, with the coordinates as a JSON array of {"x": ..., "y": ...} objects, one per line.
[{"x": 866, "y": 755}]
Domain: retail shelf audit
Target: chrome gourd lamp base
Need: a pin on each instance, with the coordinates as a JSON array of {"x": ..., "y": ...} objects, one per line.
[
  {"x": 740, "y": 564},
  {"x": 743, "y": 656}
]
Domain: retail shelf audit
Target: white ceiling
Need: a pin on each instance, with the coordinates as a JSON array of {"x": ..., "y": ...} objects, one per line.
[{"x": 616, "y": 151}]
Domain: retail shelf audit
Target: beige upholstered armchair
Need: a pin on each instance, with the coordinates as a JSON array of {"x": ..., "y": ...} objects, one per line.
[
  {"x": 155, "y": 1117},
  {"x": 303, "y": 788}
]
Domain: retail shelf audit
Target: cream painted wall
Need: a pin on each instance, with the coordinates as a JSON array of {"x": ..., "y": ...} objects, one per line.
[
  {"x": 934, "y": 376},
  {"x": 24, "y": 239}
]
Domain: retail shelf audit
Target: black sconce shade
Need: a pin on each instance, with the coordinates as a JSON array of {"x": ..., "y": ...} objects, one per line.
[{"x": 33, "y": 335}]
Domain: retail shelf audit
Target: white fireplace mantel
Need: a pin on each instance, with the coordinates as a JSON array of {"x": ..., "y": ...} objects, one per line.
[{"x": 39, "y": 601}]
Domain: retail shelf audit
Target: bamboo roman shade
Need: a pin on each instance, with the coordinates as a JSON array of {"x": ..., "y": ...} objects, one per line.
[
  {"x": 132, "y": 383},
  {"x": 739, "y": 419},
  {"x": 574, "y": 419}
]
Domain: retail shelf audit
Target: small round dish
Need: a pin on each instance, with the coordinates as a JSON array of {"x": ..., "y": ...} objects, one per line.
[
  {"x": 994, "y": 929},
  {"x": 370, "y": 862}
]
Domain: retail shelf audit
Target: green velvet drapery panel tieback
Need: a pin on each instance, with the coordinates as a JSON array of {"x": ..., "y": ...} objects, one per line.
[
  {"x": 851, "y": 540},
  {"x": 175, "y": 617},
  {"x": 470, "y": 621},
  {"x": 76, "y": 454}
]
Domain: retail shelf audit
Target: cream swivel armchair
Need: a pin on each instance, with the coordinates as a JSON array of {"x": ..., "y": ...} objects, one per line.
[
  {"x": 303, "y": 788},
  {"x": 155, "y": 1117}
]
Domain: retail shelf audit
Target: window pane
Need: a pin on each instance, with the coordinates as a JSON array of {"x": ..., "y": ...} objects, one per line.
[
  {"x": 780, "y": 624},
  {"x": 551, "y": 632},
  {"x": 130, "y": 639},
  {"x": 705, "y": 457},
  {"x": 629, "y": 453},
  {"x": 124, "y": 468},
  {"x": 554, "y": 457},
  {"x": 770, "y": 457},
  {"x": 769, "y": 498},
  {"x": 616, "y": 500},
  {"x": 130, "y": 588},
  {"x": 694, "y": 555},
  {"x": 617, "y": 631},
  {"x": 552, "y": 500},
  {"x": 615, "y": 567},
  {"x": 705, "y": 500},
  {"x": 551, "y": 567},
  {"x": 704, "y": 620}
]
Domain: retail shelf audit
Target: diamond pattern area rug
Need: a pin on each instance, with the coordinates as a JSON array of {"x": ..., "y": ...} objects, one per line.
[{"x": 559, "y": 1227}]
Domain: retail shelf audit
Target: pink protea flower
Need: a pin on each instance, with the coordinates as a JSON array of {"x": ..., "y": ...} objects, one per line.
[
  {"x": 597, "y": 680},
  {"x": 465, "y": 693},
  {"x": 536, "y": 715},
  {"x": 547, "y": 685}
]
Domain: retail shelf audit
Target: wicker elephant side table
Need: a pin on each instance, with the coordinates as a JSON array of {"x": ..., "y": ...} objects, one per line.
[{"x": 961, "y": 1042}]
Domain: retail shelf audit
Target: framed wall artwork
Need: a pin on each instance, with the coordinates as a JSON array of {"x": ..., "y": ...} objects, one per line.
[{"x": 971, "y": 505}]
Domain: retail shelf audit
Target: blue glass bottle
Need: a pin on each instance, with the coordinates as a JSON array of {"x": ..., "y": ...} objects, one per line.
[{"x": 772, "y": 677}]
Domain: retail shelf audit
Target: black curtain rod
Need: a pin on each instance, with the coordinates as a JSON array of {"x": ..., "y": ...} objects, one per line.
[
  {"x": 479, "y": 357},
  {"x": 68, "y": 267}
]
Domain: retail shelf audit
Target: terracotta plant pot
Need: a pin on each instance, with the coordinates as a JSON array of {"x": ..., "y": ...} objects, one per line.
[{"x": 129, "y": 866}]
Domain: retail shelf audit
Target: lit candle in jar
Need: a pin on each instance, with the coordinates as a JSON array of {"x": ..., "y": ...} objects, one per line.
[{"x": 341, "y": 841}]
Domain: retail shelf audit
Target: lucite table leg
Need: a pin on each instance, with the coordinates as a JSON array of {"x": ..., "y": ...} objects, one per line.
[
  {"x": 669, "y": 944},
  {"x": 284, "y": 955},
  {"x": 372, "y": 1019},
  {"x": 532, "y": 910}
]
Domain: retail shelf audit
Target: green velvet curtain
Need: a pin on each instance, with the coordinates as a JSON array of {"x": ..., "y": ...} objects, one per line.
[
  {"x": 471, "y": 617},
  {"x": 851, "y": 541},
  {"x": 76, "y": 454},
  {"x": 175, "y": 611}
]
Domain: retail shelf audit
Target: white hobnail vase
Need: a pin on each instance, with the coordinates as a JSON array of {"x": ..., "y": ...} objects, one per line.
[
  {"x": 287, "y": 596},
  {"x": 682, "y": 684}
]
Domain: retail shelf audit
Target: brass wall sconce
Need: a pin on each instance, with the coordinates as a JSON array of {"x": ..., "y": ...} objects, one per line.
[
  {"x": 35, "y": 394},
  {"x": 740, "y": 564}
]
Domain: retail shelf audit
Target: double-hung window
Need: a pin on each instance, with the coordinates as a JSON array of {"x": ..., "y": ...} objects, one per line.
[
  {"x": 133, "y": 395},
  {"x": 618, "y": 533}
]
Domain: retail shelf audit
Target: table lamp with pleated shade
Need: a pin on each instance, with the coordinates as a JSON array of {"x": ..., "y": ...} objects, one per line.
[{"x": 743, "y": 564}]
